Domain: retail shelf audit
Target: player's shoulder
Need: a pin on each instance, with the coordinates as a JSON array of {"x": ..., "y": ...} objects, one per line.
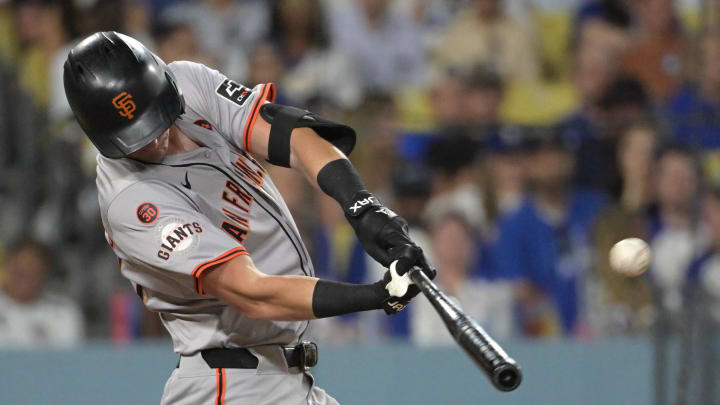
[
  {"x": 124, "y": 182},
  {"x": 113, "y": 176},
  {"x": 147, "y": 189},
  {"x": 144, "y": 201},
  {"x": 194, "y": 76},
  {"x": 198, "y": 84},
  {"x": 186, "y": 67}
]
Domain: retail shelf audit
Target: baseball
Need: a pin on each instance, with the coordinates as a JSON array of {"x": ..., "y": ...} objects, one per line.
[{"x": 630, "y": 257}]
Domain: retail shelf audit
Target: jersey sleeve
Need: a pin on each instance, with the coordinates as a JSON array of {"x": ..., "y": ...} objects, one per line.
[
  {"x": 158, "y": 229},
  {"x": 228, "y": 105}
]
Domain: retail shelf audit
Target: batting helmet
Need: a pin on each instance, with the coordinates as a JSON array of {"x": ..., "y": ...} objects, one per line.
[{"x": 123, "y": 95}]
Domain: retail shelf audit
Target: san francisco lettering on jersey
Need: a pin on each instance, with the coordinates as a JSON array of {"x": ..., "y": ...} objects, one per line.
[
  {"x": 238, "y": 224},
  {"x": 242, "y": 168}
]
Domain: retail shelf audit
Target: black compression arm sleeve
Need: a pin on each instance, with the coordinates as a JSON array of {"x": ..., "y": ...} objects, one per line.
[
  {"x": 340, "y": 180},
  {"x": 331, "y": 298}
]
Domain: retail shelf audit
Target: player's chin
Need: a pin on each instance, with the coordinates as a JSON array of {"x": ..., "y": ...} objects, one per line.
[
  {"x": 162, "y": 140},
  {"x": 155, "y": 150}
]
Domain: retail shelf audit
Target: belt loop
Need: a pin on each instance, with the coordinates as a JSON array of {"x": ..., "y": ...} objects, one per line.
[{"x": 271, "y": 359}]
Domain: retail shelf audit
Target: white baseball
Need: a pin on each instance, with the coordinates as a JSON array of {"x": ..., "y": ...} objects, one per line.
[{"x": 630, "y": 257}]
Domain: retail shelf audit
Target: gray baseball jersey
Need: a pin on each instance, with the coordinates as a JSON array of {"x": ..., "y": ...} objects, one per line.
[{"x": 170, "y": 222}]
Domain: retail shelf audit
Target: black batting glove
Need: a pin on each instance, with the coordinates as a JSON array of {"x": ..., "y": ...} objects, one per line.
[
  {"x": 408, "y": 256},
  {"x": 393, "y": 305},
  {"x": 377, "y": 227},
  {"x": 380, "y": 230}
]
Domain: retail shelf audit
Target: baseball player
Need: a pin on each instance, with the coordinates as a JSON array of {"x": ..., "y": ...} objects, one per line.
[{"x": 203, "y": 234}]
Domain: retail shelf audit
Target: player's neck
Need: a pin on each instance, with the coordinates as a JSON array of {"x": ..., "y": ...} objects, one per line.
[{"x": 179, "y": 142}]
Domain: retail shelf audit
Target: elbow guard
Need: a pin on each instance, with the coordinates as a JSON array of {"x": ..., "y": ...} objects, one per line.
[{"x": 283, "y": 119}]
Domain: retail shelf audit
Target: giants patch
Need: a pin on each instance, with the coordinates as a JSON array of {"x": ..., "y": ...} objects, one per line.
[
  {"x": 147, "y": 213},
  {"x": 233, "y": 92},
  {"x": 177, "y": 237}
]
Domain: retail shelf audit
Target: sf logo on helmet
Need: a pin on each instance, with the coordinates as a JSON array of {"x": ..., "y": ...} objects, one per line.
[{"x": 123, "y": 102}]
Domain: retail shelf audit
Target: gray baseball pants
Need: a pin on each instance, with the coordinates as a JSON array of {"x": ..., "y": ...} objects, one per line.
[{"x": 272, "y": 383}]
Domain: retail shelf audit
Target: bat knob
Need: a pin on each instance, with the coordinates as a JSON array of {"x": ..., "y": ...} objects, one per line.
[
  {"x": 398, "y": 285},
  {"x": 507, "y": 377}
]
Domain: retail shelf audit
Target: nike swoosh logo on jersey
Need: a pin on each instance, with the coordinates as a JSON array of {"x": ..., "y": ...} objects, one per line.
[{"x": 186, "y": 183}]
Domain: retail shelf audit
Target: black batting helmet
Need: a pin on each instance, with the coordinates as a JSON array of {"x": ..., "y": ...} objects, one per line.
[{"x": 123, "y": 95}]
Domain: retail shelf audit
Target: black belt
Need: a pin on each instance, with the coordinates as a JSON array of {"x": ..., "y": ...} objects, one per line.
[{"x": 303, "y": 355}]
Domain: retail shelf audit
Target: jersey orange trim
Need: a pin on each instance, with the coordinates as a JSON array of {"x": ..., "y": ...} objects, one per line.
[
  {"x": 202, "y": 267},
  {"x": 110, "y": 241},
  {"x": 221, "y": 386},
  {"x": 224, "y": 387},
  {"x": 267, "y": 93}
]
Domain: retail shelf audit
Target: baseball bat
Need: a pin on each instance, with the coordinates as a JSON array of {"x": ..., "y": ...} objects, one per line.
[{"x": 501, "y": 369}]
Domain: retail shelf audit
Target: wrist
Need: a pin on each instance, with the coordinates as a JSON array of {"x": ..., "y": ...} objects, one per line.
[
  {"x": 340, "y": 180},
  {"x": 359, "y": 203},
  {"x": 332, "y": 298}
]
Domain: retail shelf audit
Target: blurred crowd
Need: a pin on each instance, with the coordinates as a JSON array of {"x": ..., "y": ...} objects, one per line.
[{"x": 520, "y": 139}]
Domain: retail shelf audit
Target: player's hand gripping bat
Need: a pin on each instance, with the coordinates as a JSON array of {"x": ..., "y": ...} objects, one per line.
[{"x": 502, "y": 370}]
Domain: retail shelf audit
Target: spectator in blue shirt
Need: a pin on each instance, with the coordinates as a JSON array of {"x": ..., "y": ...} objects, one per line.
[
  {"x": 693, "y": 109},
  {"x": 545, "y": 242}
]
